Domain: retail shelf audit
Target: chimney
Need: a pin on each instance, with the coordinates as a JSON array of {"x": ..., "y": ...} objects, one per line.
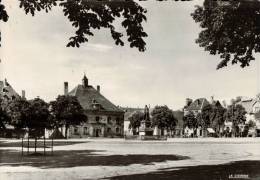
[
  {"x": 66, "y": 88},
  {"x": 23, "y": 94},
  {"x": 98, "y": 88}
]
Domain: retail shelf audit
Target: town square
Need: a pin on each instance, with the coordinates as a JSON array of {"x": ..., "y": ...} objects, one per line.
[{"x": 118, "y": 89}]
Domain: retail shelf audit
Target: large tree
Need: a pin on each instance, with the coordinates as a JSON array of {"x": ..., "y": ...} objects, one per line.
[
  {"x": 135, "y": 120},
  {"x": 18, "y": 111},
  {"x": 211, "y": 115},
  {"x": 67, "y": 111},
  {"x": 218, "y": 117},
  {"x": 4, "y": 117},
  {"x": 32, "y": 115},
  {"x": 163, "y": 118},
  {"x": 205, "y": 118},
  {"x": 230, "y": 29},
  {"x": 37, "y": 119},
  {"x": 190, "y": 121},
  {"x": 89, "y": 15},
  {"x": 236, "y": 114}
]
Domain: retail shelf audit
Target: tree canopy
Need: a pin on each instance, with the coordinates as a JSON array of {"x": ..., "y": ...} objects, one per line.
[
  {"x": 235, "y": 114},
  {"x": 4, "y": 117},
  {"x": 163, "y": 117},
  {"x": 67, "y": 111},
  {"x": 212, "y": 115},
  {"x": 89, "y": 15},
  {"x": 230, "y": 29},
  {"x": 33, "y": 114},
  {"x": 18, "y": 111},
  {"x": 37, "y": 117},
  {"x": 135, "y": 120},
  {"x": 190, "y": 121}
]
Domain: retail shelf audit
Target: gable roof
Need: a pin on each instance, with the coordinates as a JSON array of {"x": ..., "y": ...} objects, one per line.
[
  {"x": 248, "y": 104},
  {"x": 7, "y": 92},
  {"x": 198, "y": 104},
  {"x": 87, "y": 96}
]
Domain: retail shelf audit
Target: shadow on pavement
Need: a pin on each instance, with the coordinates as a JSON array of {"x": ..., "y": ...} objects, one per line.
[
  {"x": 236, "y": 170},
  {"x": 64, "y": 159}
]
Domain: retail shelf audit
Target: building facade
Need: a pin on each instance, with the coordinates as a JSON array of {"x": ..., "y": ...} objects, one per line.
[
  {"x": 104, "y": 119},
  {"x": 196, "y": 107},
  {"x": 252, "y": 107}
]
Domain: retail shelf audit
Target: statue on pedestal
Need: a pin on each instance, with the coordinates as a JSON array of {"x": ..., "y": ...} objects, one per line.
[{"x": 145, "y": 128}]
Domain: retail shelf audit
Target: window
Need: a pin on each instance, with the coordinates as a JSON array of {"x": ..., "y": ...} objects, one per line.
[
  {"x": 97, "y": 119},
  {"x": 117, "y": 121},
  {"x": 108, "y": 130},
  {"x": 117, "y": 130},
  {"x": 5, "y": 90},
  {"x": 257, "y": 109},
  {"x": 109, "y": 119}
]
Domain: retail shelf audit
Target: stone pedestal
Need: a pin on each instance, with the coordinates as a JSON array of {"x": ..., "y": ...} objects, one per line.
[{"x": 145, "y": 131}]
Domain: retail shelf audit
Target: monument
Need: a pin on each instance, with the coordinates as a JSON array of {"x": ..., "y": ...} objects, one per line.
[{"x": 145, "y": 128}]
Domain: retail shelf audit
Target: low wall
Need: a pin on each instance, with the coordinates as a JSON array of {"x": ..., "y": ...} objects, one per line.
[{"x": 145, "y": 138}]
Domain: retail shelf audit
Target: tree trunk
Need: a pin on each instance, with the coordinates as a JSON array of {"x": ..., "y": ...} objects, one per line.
[
  {"x": 28, "y": 144},
  {"x": 35, "y": 144},
  {"x": 66, "y": 131},
  {"x": 44, "y": 143},
  {"x": 52, "y": 146},
  {"x": 22, "y": 146}
]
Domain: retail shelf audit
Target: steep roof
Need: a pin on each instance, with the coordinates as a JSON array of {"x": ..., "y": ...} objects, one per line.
[
  {"x": 7, "y": 92},
  {"x": 248, "y": 104},
  {"x": 88, "y": 96},
  {"x": 198, "y": 104}
]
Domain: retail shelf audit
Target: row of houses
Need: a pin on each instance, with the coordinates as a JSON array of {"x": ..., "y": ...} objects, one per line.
[
  {"x": 251, "y": 105},
  {"x": 104, "y": 119}
]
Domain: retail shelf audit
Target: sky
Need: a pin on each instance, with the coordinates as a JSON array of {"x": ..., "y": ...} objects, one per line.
[{"x": 35, "y": 59}]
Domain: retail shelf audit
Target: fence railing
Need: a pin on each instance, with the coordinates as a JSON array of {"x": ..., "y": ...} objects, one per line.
[{"x": 37, "y": 145}]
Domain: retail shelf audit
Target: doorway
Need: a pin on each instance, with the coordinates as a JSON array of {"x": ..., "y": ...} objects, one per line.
[{"x": 98, "y": 132}]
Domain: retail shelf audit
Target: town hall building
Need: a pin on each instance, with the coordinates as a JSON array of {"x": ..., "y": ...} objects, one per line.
[{"x": 104, "y": 119}]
